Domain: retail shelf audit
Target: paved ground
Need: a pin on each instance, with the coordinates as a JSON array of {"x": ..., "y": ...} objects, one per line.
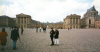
[{"x": 75, "y": 40}]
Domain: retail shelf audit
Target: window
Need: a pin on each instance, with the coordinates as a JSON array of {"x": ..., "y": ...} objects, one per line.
[
  {"x": 76, "y": 20},
  {"x": 89, "y": 21},
  {"x": 73, "y": 20},
  {"x": 70, "y": 20},
  {"x": 25, "y": 21}
]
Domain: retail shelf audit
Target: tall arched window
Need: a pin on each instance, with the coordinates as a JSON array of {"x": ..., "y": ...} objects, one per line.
[{"x": 89, "y": 21}]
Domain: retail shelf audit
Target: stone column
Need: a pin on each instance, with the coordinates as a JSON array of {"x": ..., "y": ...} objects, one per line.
[
  {"x": 26, "y": 20},
  {"x": 75, "y": 23},
  {"x": 75, "y": 20},
  {"x": 72, "y": 20},
  {"x": 23, "y": 22},
  {"x": 20, "y": 22},
  {"x": 69, "y": 20},
  {"x": 78, "y": 20}
]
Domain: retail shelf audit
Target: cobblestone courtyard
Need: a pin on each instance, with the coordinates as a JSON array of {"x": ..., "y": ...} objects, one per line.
[{"x": 75, "y": 40}]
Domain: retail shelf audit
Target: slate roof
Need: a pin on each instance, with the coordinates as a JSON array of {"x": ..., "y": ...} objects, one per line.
[
  {"x": 91, "y": 9},
  {"x": 4, "y": 16}
]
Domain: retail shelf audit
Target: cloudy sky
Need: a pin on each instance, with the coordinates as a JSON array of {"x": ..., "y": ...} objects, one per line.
[{"x": 47, "y": 10}]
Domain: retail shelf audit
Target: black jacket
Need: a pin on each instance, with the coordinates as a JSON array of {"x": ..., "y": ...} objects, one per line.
[
  {"x": 52, "y": 33},
  {"x": 57, "y": 34},
  {"x": 14, "y": 34}
]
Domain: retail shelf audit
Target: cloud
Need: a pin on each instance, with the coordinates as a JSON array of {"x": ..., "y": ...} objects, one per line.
[
  {"x": 44, "y": 10},
  {"x": 96, "y": 3}
]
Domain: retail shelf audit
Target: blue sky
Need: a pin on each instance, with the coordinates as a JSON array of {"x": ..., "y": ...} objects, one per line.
[
  {"x": 47, "y": 10},
  {"x": 5, "y": 2}
]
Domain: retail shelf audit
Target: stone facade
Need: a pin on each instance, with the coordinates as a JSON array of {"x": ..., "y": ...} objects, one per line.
[
  {"x": 89, "y": 18},
  {"x": 97, "y": 24},
  {"x": 6, "y": 21},
  {"x": 23, "y": 20},
  {"x": 58, "y": 25},
  {"x": 72, "y": 21},
  {"x": 37, "y": 24}
]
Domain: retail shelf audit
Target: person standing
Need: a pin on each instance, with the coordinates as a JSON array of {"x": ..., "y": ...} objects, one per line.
[
  {"x": 52, "y": 35},
  {"x": 22, "y": 30},
  {"x": 14, "y": 37},
  {"x": 3, "y": 39},
  {"x": 45, "y": 29},
  {"x": 40, "y": 29},
  {"x": 12, "y": 28},
  {"x": 56, "y": 37},
  {"x": 36, "y": 29},
  {"x": 18, "y": 28},
  {"x": 68, "y": 28}
]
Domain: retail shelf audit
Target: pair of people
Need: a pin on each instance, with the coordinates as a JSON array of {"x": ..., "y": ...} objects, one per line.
[
  {"x": 44, "y": 29},
  {"x": 14, "y": 37},
  {"x": 54, "y": 34}
]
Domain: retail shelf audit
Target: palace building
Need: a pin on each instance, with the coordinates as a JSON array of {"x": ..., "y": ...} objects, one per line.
[
  {"x": 23, "y": 20},
  {"x": 72, "y": 21},
  {"x": 97, "y": 22},
  {"x": 6, "y": 21},
  {"x": 89, "y": 18}
]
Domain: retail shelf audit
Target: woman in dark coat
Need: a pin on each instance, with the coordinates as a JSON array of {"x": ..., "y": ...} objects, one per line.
[
  {"x": 3, "y": 35},
  {"x": 56, "y": 37}
]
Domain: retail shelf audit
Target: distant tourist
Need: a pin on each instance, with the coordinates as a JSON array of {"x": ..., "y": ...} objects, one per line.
[
  {"x": 12, "y": 28},
  {"x": 68, "y": 28},
  {"x": 9, "y": 28},
  {"x": 22, "y": 30},
  {"x": 44, "y": 29},
  {"x": 3, "y": 39},
  {"x": 14, "y": 37},
  {"x": 36, "y": 29},
  {"x": 52, "y": 35},
  {"x": 56, "y": 37},
  {"x": 18, "y": 29},
  {"x": 40, "y": 29}
]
